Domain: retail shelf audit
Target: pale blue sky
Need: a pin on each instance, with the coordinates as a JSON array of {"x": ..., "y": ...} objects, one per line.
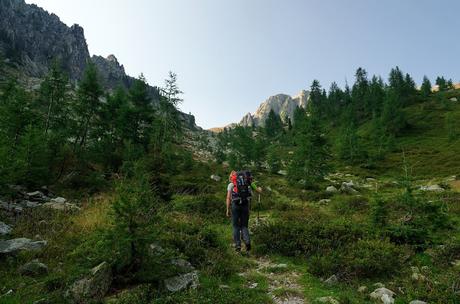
[{"x": 230, "y": 55}]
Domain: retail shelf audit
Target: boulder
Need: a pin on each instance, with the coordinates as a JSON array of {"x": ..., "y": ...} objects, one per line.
[
  {"x": 93, "y": 287},
  {"x": 61, "y": 206},
  {"x": 331, "y": 189},
  {"x": 187, "y": 276},
  {"x": 182, "y": 281},
  {"x": 59, "y": 200},
  {"x": 434, "y": 188},
  {"x": 216, "y": 178},
  {"x": 417, "y": 302},
  {"x": 33, "y": 268},
  {"x": 327, "y": 300},
  {"x": 348, "y": 187},
  {"x": 11, "y": 207},
  {"x": 13, "y": 245},
  {"x": 324, "y": 201},
  {"x": 383, "y": 294},
  {"x": 5, "y": 229},
  {"x": 36, "y": 196}
]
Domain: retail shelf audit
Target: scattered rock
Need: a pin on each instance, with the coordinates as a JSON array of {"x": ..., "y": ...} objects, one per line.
[
  {"x": 253, "y": 285},
  {"x": 453, "y": 99},
  {"x": 183, "y": 281},
  {"x": 223, "y": 286},
  {"x": 33, "y": 268},
  {"x": 331, "y": 189},
  {"x": 11, "y": 207},
  {"x": 61, "y": 206},
  {"x": 434, "y": 188},
  {"x": 36, "y": 196},
  {"x": 383, "y": 294},
  {"x": 92, "y": 288},
  {"x": 17, "y": 244},
  {"x": 362, "y": 289},
  {"x": 59, "y": 200},
  {"x": 417, "y": 302},
  {"x": 348, "y": 187},
  {"x": 187, "y": 278},
  {"x": 5, "y": 229},
  {"x": 324, "y": 201},
  {"x": 331, "y": 280},
  {"x": 282, "y": 172},
  {"x": 386, "y": 299},
  {"x": 327, "y": 300},
  {"x": 216, "y": 178}
]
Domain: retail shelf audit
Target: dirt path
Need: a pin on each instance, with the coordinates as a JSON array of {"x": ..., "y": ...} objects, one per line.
[{"x": 283, "y": 286}]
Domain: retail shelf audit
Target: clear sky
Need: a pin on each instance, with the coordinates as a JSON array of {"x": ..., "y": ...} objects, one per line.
[{"x": 230, "y": 55}]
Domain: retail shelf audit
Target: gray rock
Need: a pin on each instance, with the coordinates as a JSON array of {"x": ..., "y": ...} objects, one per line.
[
  {"x": 383, "y": 294},
  {"x": 453, "y": 99},
  {"x": 327, "y": 300},
  {"x": 182, "y": 281},
  {"x": 33, "y": 268},
  {"x": 11, "y": 207},
  {"x": 37, "y": 196},
  {"x": 331, "y": 189},
  {"x": 434, "y": 188},
  {"x": 324, "y": 201},
  {"x": 13, "y": 245},
  {"x": 5, "y": 229},
  {"x": 182, "y": 266},
  {"x": 216, "y": 178},
  {"x": 417, "y": 302},
  {"x": 156, "y": 249},
  {"x": 93, "y": 287},
  {"x": 331, "y": 280},
  {"x": 378, "y": 285},
  {"x": 348, "y": 187},
  {"x": 59, "y": 200},
  {"x": 61, "y": 206}
]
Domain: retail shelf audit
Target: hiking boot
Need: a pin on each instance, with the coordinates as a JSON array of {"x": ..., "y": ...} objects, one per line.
[{"x": 248, "y": 247}]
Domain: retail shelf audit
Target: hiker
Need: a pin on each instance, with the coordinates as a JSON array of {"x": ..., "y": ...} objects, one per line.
[{"x": 239, "y": 192}]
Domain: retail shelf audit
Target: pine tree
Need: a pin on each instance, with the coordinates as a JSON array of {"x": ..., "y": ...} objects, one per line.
[
  {"x": 426, "y": 87},
  {"x": 441, "y": 83},
  {"x": 88, "y": 105},
  {"x": 360, "y": 95},
  {"x": 273, "y": 125},
  {"x": 141, "y": 112},
  {"x": 393, "y": 118},
  {"x": 311, "y": 155}
]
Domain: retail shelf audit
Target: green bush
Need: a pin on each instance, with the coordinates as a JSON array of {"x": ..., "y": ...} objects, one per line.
[{"x": 207, "y": 205}]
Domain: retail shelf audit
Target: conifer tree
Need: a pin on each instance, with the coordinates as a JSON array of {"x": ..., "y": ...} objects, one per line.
[
  {"x": 273, "y": 124},
  {"x": 426, "y": 87},
  {"x": 441, "y": 83},
  {"x": 88, "y": 105}
]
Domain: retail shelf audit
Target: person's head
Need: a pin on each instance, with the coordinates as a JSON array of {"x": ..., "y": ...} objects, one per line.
[{"x": 231, "y": 174}]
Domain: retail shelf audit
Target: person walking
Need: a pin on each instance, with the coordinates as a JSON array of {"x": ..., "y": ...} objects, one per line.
[{"x": 239, "y": 193}]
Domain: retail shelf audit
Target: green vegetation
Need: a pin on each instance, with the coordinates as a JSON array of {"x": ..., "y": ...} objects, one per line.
[{"x": 147, "y": 203}]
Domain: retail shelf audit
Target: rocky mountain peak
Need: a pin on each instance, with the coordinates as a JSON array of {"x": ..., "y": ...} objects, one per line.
[{"x": 282, "y": 104}]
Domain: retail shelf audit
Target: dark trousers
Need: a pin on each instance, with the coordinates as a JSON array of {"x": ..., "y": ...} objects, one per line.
[{"x": 240, "y": 219}]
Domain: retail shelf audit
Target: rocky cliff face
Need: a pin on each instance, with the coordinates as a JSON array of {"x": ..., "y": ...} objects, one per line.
[
  {"x": 282, "y": 104},
  {"x": 31, "y": 39}
]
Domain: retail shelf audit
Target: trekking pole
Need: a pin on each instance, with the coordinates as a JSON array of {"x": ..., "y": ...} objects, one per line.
[{"x": 258, "y": 208}]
